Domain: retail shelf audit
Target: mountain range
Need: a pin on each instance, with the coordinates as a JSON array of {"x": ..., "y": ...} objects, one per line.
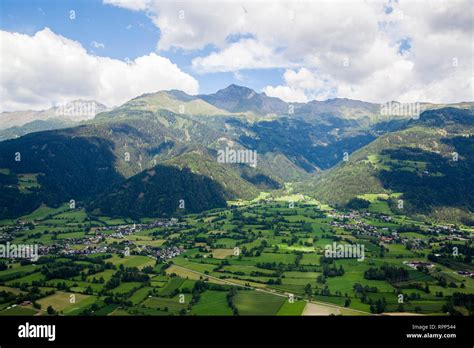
[
  {"x": 17, "y": 123},
  {"x": 146, "y": 156}
]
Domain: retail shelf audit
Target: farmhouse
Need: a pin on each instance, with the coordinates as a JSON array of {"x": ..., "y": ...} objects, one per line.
[{"x": 418, "y": 264}]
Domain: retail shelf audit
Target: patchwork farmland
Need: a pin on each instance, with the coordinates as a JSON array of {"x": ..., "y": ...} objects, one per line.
[{"x": 264, "y": 257}]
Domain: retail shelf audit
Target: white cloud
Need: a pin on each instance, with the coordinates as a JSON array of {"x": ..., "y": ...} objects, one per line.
[
  {"x": 301, "y": 86},
  {"x": 135, "y": 5},
  {"x": 45, "y": 69},
  {"x": 287, "y": 93},
  {"x": 321, "y": 35},
  {"x": 244, "y": 54},
  {"x": 294, "y": 28},
  {"x": 303, "y": 79},
  {"x": 96, "y": 44}
]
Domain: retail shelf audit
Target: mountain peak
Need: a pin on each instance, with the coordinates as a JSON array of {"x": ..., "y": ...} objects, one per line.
[
  {"x": 235, "y": 98},
  {"x": 236, "y": 90}
]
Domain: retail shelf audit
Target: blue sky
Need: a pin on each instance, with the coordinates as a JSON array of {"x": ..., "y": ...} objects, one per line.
[
  {"x": 93, "y": 22},
  {"x": 125, "y": 35},
  {"x": 114, "y": 50}
]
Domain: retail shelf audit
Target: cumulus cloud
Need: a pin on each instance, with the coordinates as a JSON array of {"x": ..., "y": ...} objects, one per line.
[
  {"x": 244, "y": 54},
  {"x": 352, "y": 45},
  {"x": 287, "y": 94},
  {"x": 46, "y": 69},
  {"x": 301, "y": 85}
]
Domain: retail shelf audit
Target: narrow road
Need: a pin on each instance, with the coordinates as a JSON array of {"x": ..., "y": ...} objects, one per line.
[{"x": 274, "y": 292}]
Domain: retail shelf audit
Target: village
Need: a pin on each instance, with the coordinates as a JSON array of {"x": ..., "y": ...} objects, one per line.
[
  {"x": 353, "y": 222},
  {"x": 93, "y": 242}
]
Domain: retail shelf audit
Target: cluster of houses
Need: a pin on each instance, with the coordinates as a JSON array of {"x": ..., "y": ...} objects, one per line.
[
  {"x": 90, "y": 249},
  {"x": 169, "y": 253},
  {"x": 341, "y": 216},
  {"x": 358, "y": 227},
  {"x": 8, "y": 232},
  {"x": 121, "y": 231},
  {"x": 440, "y": 229},
  {"x": 92, "y": 244},
  {"x": 415, "y": 243},
  {"x": 384, "y": 235}
]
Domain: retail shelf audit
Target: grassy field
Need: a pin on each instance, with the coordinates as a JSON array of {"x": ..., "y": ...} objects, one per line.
[
  {"x": 63, "y": 301},
  {"x": 295, "y": 309},
  {"x": 258, "y": 303},
  {"x": 132, "y": 261},
  {"x": 212, "y": 303},
  {"x": 139, "y": 295},
  {"x": 259, "y": 245},
  {"x": 126, "y": 288},
  {"x": 167, "y": 304},
  {"x": 18, "y": 311}
]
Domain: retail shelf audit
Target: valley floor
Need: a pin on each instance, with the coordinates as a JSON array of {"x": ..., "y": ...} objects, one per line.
[{"x": 285, "y": 256}]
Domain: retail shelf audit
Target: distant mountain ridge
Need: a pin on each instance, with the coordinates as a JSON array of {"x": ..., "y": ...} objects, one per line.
[
  {"x": 18, "y": 123},
  {"x": 429, "y": 165},
  {"x": 75, "y": 110},
  {"x": 234, "y": 99},
  {"x": 91, "y": 161}
]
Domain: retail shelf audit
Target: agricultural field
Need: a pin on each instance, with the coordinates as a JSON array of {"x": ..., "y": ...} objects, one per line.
[{"x": 286, "y": 257}]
